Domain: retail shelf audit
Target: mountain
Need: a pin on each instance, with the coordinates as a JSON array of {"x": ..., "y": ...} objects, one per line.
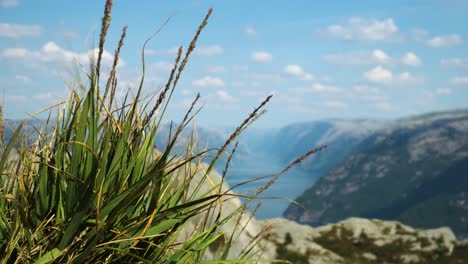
[
  {"x": 414, "y": 170},
  {"x": 266, "y": 151},
  {"x": 354, "y": 240},
  {"x": 342, "y": 137}
]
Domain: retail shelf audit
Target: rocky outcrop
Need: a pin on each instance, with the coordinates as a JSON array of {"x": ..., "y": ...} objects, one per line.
[{"x": 358, "y": 240}]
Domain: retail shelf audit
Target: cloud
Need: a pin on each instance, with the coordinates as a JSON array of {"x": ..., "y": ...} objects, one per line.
[
  {"x": 384, "y": 106},
  {"x": 185, "y": 92},
  {"x": 51, "y": 52},
  {"x": 308, "y": 77},
  {"x": 163, "y": 66},
  {"x": 216, "y": 69},
  {"x": 318, "y": 87},
  {"x": 250, "y": 31},
  {"x": 208, "y": 50},
  {"x": 23, "y": 78},
  {"x": 455, "y": 62},
  {"x": 16, "y": 99},
  {"x": 461, "y": 80},
  {"x": 297, "y": 71},
  {"x": 364, "y": 29},
  {"x": 262, "y": 56},
  {"x": 384, "y": 76},
  {"x": 419, "y": 34},
  {"x": 18, "y": 31},
  {"x": 411, "y": 59},
  {"x": 365, "y": 89},
  {"x": 379, "y": 75},
  {"x": 208, "y": 81},
  {"x": 294, "y": 69},
  {"x": 224, "y": 96},
  {"x": 406, "y": 77},
  {"x": 445, "y": 41},
  {"x": 443, "y": 91},
  {"x": 336, "y": 104},
  {"x": 47, "y": 96},
  {"x": 8, "y": 3},
  {"x": 239, "y": 68},
  {"x": 15, "y": 52},
  {"x": 359, "y": 58}
]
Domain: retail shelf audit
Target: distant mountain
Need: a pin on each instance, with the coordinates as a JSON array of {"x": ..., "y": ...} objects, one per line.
[
  {"x": 342, "y": 137},
  {"x": 414, "y": 170}
]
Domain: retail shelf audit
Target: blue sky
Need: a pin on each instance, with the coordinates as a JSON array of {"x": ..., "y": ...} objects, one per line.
[{"x": 320, "y": 59}]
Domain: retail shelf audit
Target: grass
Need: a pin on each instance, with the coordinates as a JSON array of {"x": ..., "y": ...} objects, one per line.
[{"x": 91, "y": 188}]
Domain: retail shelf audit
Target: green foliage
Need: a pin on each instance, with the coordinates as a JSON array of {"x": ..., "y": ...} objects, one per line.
[{"x": 93, "y": 189}]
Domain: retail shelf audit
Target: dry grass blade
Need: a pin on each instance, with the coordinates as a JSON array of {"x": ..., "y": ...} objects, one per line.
[
  {"x": 238, "y": 130},
  {"x": 102, "y": 38},
  {"x": 112, "y": 78},
  {"x": 163, "y": 93}
]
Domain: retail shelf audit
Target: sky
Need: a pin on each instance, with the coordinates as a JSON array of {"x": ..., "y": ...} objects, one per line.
[{"x": 319, "y": 59}]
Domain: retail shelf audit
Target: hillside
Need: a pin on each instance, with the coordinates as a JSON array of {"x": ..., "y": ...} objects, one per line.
[
  {"x": 414, "y": 170},
  {"x": 354, "y": 240}
]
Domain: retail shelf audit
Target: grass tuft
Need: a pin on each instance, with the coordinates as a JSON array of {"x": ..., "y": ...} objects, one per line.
[{"x": 91, "y": 188}]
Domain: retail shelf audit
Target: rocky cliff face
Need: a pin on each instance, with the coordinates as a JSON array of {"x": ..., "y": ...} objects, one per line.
[{"x": 414, "y": 170}]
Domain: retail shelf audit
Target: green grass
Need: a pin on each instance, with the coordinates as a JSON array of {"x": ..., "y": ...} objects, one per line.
[{"x": 92, "y": 189}]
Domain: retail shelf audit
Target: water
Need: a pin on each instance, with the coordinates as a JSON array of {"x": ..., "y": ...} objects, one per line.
[{"x": 289, "y": 185}]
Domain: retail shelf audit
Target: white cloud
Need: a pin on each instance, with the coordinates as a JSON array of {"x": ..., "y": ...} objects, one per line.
[
  {"x": 174, "y": 50},
  {"x": 364, "y": 29},
  {"x": 216, "y": 68},
  {"x": 461, "y": 80},
  {"x": 365, "y": 89},
  {"x": 359, "y": 58},
  {"x": 380, "y": 56},
  {"x": 419, "y": 34},
  {"x": 455, "y": 62},
  {"x": 48, "y": 96},
  {"x": 23, "y": 78},
  {"x": 208, "y": 50},
  {"x": 406, "y": 77},
  {"x": 443, "y": 91},
  {"x": 385, "y": 76},
  {"x": 17, "y": 31},
  {"x": 224, "y": 96},
  {"x": 51, "y": 52},
  {"x": 308, "y": 77},
  {"x": 294, "y": 69},
  {"x": 379, "y": 75},
  {"x": 239, "y": 68},
  {"x": 297, "y": 71},
  {"x": 384, "y": 106},
  {"x": 185, "y": 92},
  {"x": 163, "y": 66},
  {"x": 208, "y": 81},
  {"x": 318, "y": 87},
  {"x": 15, "y": 52},
  {"x": 16, "y": 99},
  {"x": 411, "y": 59},
  {"x": 445, "y": 41},
  {"x": 250, "y": 31},
  {"x": 336, "y": 104},
  {"x": 262, "y": 56},
  {"x": 150, "y": 52},
  {"x": 8, "y": 3}
]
